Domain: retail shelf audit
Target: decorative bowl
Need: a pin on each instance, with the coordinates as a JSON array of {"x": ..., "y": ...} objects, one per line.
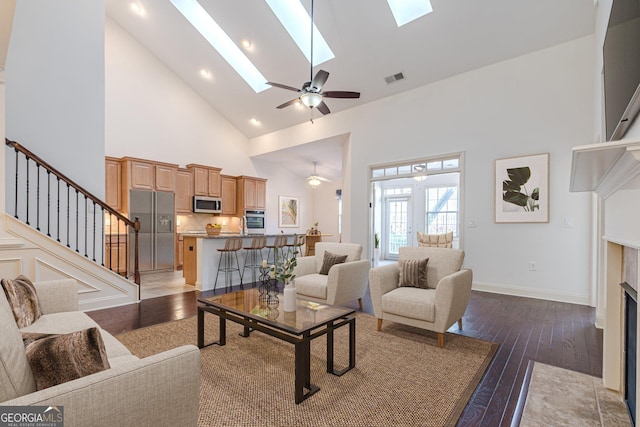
[{"x": 213, "y": 231}]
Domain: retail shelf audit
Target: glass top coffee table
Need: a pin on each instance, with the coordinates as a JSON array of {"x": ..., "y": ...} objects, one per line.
[{"x": 309, "y": 321}]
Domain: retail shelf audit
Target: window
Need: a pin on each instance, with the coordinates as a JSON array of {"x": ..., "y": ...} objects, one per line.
[
  {"x": 441, "y": 213},
  {"x": 423, "y": 195}
]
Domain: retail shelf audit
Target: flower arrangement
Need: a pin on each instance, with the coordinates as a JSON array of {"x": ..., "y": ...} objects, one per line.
[{"x": 282, "y": 270}]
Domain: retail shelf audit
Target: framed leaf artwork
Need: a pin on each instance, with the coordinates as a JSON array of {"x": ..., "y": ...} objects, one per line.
[
  {"x": 288, "y": 211},
  {"x": 522, "y": 189}
]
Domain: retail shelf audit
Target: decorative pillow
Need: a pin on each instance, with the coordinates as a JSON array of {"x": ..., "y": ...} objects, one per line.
[
  {"x": 330, "y": 260},
  {"x": 56, "y": 359},
  {"x": 413, "y": 272},
  {"x": 436, "y": 240},
  {"x": 23, "y": 300}
]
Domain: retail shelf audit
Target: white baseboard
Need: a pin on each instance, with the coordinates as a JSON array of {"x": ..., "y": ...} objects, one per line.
[{"x": 531, "y": 293}]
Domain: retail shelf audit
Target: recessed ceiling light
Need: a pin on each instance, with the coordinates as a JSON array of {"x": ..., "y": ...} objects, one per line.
[
  {"x": 255, "y": 122},
  {"x": 220, "y": 41},
  {"x": 246, "y": 43},
  {"x": 297, "y": 22},
  {"x": 405, "y": 11},
  {"x": 206, "y": 74},
  {"x": 137, "y": 8}
]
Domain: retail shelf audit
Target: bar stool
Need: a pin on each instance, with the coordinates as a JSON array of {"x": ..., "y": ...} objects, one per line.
[
  {"x": 253, "y": 258},
  {"x": 296, "y": 245},
  {"x": 278, "y": 244},
  {"x": 231, "y": 248}
]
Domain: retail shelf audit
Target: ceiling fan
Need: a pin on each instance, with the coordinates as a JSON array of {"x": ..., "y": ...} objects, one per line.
[
  {"x": 315, "y": 179},
  {"x": 310, "y": 92}
]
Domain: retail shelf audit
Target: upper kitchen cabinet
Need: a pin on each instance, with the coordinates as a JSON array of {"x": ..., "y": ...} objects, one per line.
[
  {"x": 184, "y": 191},
  {"x": 228, "y": 184},
  {"x": 140, "y": 174},
  {"x": 250, "y": 194},
  {"x": 113, "y": 183},
  {"x": 206, "y": 180}
]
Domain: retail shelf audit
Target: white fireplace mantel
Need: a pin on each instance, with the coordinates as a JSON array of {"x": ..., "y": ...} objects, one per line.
[{"x": 604, "y": 167}]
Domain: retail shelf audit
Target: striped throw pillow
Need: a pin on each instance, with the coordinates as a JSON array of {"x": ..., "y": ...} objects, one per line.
[
  {"x": 413, "y": 272},
  {"x": 330, "y": 260}
]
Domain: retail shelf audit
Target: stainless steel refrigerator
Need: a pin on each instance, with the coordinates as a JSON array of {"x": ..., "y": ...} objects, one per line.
[{"x": 155, "y": 239}]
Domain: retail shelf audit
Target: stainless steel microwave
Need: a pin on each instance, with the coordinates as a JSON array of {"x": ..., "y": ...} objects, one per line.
[{"x": 202, "y": 204}]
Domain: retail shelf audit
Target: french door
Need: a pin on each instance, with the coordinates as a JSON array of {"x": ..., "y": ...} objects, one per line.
[{"x": 397, "y": 214}]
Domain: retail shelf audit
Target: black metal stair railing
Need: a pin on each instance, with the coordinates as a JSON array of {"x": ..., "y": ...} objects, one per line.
[{"x": 71, "y": 215}]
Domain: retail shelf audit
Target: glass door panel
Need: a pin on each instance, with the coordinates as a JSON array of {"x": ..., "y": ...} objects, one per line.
[{"x": 398, "y": 225}]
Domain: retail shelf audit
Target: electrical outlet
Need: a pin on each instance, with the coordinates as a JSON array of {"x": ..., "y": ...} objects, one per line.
[
  {"x": 533, "y": 266},
  {"x": 471, "y": 223}
]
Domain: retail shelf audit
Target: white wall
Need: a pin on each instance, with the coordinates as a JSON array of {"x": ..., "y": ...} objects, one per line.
[
  {"x": 152, "y": 114},
  {"x": 55, "y": 86},
  {"x": 541, "y": 102}
]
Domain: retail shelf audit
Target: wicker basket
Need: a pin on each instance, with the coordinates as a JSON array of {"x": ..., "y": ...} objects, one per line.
[{"x": 213, "y": 231}]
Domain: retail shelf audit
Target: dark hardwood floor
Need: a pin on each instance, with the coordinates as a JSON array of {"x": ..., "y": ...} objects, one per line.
[{"x": 554, "y": 333}]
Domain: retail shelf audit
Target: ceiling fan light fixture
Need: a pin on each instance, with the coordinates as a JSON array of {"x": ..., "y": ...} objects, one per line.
[
  {"x": 311, "y": 99},
  {"x": 421, "y": 171},
  {"x": 314, "y": 181}
]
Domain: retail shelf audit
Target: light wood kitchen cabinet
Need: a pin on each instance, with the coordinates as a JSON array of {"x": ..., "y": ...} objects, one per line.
[
  {"x": 184, "y": 191},
  {"x": 228, "y": 184},
  {"x": 115, "y": 255},
  {"x": 165, "y": 177},
  {"x": 206, "y": 180},
  {"x": 250, "y": 194},
  {"x": 113, "y": 183},
  {"x": 141, "y": 174}
]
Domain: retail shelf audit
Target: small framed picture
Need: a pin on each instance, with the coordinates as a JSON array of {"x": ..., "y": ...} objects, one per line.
[
  {"x": 522, "y": 189},
  {"x": 288, "y": 214}
]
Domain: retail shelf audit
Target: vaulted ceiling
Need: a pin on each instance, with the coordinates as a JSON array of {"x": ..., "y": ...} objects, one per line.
[{"x": 458, "y": 36}]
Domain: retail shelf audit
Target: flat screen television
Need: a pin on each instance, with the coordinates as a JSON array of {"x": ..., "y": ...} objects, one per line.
[{"x": 622, "y": 67}]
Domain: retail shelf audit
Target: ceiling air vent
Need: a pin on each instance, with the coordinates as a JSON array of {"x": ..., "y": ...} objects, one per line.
[{"x": 394, "y": 78}]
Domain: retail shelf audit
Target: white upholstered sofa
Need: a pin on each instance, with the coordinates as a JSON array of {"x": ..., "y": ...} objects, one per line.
[
  {"x": 163, "y": 389},
  {"x": 436, "y": 308},
  {"x": 345, "y": 282}
]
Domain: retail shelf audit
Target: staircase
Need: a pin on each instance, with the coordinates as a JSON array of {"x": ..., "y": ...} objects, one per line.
[{"x": 61, "y": 230}]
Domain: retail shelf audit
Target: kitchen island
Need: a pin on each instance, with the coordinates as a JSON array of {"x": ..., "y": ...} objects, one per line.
[{"x": 201, "y": 257}]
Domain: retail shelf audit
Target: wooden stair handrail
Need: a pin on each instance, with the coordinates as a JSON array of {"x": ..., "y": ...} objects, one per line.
[
  {"x": 69, "y": 181},
  {"x": 135, "y": 224}
]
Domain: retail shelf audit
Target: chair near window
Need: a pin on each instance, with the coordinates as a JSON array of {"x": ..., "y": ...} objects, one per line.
[
  {"x": 434, "y": 300},
  {"x": 435, "y": 240}
]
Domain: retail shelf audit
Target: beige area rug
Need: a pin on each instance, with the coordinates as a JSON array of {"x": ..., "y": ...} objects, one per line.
[
  {"x": 560, "y": 397},
  {"x": 401, "y": 377}
]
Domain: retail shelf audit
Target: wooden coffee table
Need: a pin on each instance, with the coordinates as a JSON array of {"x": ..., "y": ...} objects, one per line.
[{"x": 309, "y": 321}]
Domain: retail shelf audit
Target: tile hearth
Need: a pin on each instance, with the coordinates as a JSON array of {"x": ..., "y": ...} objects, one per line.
[{"x": 560, "y": 397}]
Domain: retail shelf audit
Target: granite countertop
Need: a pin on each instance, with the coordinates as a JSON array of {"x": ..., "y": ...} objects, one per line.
[{"x": 204, "y": 235}]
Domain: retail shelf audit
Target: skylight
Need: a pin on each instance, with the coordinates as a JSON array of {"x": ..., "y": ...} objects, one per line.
[
  {"x": 297, "y": 22},
  {"x": 211, "y": 31},
  {"x": 405, "y": 11}
]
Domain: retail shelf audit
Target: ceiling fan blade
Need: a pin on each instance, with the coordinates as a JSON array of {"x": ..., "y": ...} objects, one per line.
[
  {"x": 340, "y": 94},
  {"x": 319, "y": 80},
  {"x": 286, "y": 104},
  {"x": 281, "y": 86},
  {"x": 323, "y": 179},
  {"x": 322, "y": 107}
]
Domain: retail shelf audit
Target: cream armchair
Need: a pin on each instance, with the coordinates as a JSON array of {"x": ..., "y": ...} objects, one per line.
[
  {"x": 435, "y": 308},
  {"x": 345, "y": 282}
]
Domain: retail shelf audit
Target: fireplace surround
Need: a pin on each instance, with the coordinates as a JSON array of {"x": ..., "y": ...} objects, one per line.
[{"x": 620, "y": 361}]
